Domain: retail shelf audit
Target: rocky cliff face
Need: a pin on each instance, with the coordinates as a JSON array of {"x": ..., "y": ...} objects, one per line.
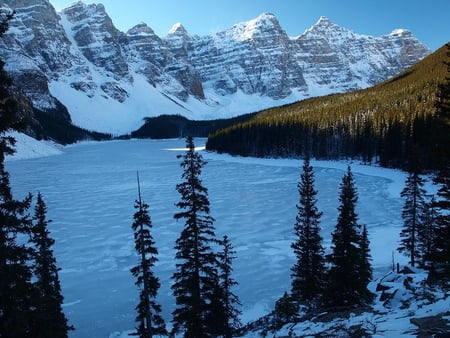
[{"x": 79, "y": 60}]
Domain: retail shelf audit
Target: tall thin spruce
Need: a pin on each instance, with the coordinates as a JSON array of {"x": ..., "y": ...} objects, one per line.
[
  {"x": 51, "y": 319},
  {"x": 149, "y": 319},
  {"x": 228, "y": 300},
  {"x": 349, "y": 259},
  {"x": 413, "y": 216},
  {"x": 17, "y": 294},
  {"x": 195, "y": 281},
  {"x": 308, "y": 271}
]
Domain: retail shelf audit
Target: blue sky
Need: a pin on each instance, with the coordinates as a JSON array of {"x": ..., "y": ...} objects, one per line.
[{"x": 427, "y": 19}]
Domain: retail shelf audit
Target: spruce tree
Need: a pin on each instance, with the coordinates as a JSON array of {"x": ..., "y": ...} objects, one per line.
[
  {"x": 365, "y": 268},
  {"x": 17, "y": 294},
  {"x": 308, "y": 272},
  {"x": 196, "y": 276},
  {"x": 149, "y": 319},
  {"x": 412, "y": 214},
  {"x": 427, "y": 234},
  {"x": 346, "y": 284},
  {"x": 51, "y": 319},
  {"x": 228, "y": 300}
]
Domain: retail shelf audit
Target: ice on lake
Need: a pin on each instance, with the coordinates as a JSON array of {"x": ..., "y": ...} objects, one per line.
[{"x": 90, "y": 191}]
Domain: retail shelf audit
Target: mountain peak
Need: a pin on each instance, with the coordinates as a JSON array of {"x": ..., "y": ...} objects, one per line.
[
  {"x": 178, "y": 29},
  {"x": 400, "y": 32},
  {"x": 141, "y": 29},
  {"x": 324, "y": 21},
  {"x": 258, "y": 27}
]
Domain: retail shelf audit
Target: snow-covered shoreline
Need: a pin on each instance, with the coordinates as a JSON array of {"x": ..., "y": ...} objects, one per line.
[{"x": 28, "y": 147}]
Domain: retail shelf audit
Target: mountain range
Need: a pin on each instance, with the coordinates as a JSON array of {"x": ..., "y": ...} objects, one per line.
[{"x": 75, "y": 65}]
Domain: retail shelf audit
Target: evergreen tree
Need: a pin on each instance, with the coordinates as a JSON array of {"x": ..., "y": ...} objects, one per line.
[
  {"x": 148, "y": 310},
  {"x": 228, "y": 300},
  {"x": 427, "y": 234},
  {"x": 17, "y": 294},
  {"x": 366, "y": 272},
  {"x": 308, "y": 272},
  {"x": 51, "y": 320},
  {"x": 347, "y": 281},
  {"x": 196, "y": 276},
  {"x": 412, "y": 215}
]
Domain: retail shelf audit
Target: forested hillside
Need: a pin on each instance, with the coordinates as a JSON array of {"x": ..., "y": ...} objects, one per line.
[{"x": 384, "y": 123}]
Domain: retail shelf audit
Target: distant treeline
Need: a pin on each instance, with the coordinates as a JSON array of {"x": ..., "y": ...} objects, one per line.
[
  {"x": 384, "y": 123},
  {"x": 173, "y": 126}
]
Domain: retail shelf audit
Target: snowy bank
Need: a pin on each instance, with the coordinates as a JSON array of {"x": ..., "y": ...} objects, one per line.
[{"x": 28, "y": 147}]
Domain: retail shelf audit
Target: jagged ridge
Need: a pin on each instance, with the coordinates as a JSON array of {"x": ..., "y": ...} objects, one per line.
[{"x": 79, "y": 60}]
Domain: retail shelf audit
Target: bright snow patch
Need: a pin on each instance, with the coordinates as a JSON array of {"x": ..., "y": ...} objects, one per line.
[{"x": 28, "y": 147}]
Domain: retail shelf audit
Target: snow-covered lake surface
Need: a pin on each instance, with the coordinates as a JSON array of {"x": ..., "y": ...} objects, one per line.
[{"x": 90, "y": 190}]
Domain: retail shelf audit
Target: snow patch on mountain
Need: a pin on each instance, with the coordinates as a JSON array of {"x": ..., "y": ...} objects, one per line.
[{"x": 110, "y": 80}]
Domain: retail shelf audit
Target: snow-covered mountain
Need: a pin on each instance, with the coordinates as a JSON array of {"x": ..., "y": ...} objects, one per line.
[{"x": 77, "y": 62}]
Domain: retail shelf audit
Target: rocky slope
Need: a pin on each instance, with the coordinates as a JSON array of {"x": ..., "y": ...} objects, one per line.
[{"x": 77, "y": 65}]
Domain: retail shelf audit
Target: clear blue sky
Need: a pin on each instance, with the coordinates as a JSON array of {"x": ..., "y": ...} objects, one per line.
[{"x": 429, "y": 20}]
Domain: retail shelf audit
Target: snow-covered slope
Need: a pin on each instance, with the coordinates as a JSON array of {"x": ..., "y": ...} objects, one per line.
[
  {"x": 27, "y": 147},
  {"x": 109, "y": 80}
]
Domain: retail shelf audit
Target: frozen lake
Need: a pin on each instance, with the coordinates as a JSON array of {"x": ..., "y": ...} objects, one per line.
[{"x": 90, "y": 191}]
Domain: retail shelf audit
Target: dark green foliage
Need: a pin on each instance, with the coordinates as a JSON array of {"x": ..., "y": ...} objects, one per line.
[
  {"x": 308, "y": 272},
  {"x": 348, "y": 273},
  {"x": 286, "y": 311},
  {"x": 228, "y": 305},
  {"x": 171, "y": 126},
  {"x": 426, "y": 235},
  {"x": 62, "y": 131},
  {"x": 148, "y": 310},
  {"x": 196, "y": 277},
  {"x": 412, "y": 214},
  {"x": 441, "y": 256},
  {"x": 49, "y": 315},
  {"x": 365, "y": 268},
  {"x": 17, "y": 294},
  {"x": 379, "y": 124},
  {"x": 30, "y": 292}
]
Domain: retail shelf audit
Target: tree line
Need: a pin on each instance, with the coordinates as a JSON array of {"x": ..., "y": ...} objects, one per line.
[{"x": 381, "y": 124}]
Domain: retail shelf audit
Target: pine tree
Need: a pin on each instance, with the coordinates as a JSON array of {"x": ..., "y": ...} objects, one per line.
[
  {"x": 228, "y": 300},
  {"x": 365, "y": 268},
  {"x": 196, "y": 276},
  {"x": 308, "y": 272},
  {"x": 346, "y": 286},
  {"x": 426, "y": 235},
  {"x": 17, "y": 294},
  {"x": 412, "y": 215},
  {"x": 148, "y": 310},
  {"x": 51, "y": 320}
]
